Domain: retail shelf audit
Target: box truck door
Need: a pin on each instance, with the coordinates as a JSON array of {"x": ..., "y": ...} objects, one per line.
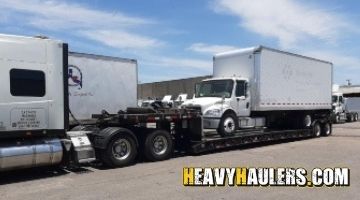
[{"x": 242, "y": 99}]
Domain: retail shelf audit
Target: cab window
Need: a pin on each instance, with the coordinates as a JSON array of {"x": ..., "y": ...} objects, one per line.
[
  {"x": 240, "y": 88},
  {"x": 28, "y": 83}
]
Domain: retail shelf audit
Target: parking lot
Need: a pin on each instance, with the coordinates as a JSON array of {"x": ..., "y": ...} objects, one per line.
[{"x": 163, "y": 180}]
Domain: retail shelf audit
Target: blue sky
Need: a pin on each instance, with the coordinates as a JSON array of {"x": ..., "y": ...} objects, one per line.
[{"x": 176, "y": 39}]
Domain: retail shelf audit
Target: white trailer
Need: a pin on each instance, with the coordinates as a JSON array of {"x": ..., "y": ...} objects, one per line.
[
  {"x": 100, "y": 83},
  {"x": 261, "y": 86}
]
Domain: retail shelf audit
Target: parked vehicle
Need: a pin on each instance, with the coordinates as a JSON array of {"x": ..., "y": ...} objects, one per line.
[
  {"x": 35, "y": 106},
  {"x": 264, "y": 87},
  {"x": 345, "y": 109}
]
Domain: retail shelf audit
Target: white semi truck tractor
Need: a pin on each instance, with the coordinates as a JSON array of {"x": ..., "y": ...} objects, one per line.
[
  {"x": 345, "y": 109},
  {"x": 264, "y": 87}
]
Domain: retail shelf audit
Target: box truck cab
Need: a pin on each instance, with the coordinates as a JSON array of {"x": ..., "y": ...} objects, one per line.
[{"x": 263, "y": 87}]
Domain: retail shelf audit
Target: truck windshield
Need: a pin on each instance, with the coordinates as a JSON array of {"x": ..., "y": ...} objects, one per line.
[
  {"x": 334, "y": 99},
  {"x": 215, "y": 88}
]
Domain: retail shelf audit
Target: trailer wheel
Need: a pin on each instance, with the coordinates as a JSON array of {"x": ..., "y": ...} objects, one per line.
[
  {"x": 158, "y": 145},
  {"x": 326, "y": 129},
  {"x": 356, "y": 117},
  {"x": 316, "y": 129},
  {"x": 228, "y": 125},
  {"x": 307, "y": 121},
  {"x": 120, "y": 151}
]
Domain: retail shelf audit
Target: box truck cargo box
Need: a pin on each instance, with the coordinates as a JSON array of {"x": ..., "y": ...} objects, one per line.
[
  {"x": 279, "y": 80},
  {"x": 100, "y": 82}
]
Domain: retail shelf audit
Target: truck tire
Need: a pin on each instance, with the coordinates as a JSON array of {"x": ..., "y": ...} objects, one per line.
[
  {"x": 326, "y": 129},
  {"x": 228, "y": 125},
  {"x": 120, "y": 151},
  {"x": 337, "y": 118},
  {"x": 307, "y": 120},
  {"x": 158, "y": 145},
  {"x": 316, "y": 129},
  {"x": 356, "y": 117}
]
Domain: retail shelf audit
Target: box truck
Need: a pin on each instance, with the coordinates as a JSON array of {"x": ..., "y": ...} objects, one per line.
[
  {"x": 38, "y": 89},
  {"x": 265, "y": 87},
  {"x": 98, "y": 83}
]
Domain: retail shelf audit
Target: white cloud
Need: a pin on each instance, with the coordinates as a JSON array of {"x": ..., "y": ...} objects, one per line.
[
  {"x": 121, "y": 39},
  {"x": 180, "y": 63},
  {"x": 54, "y": 14},
  {"x": 210, "y": 49},
  {"x": 286, "y": 20},
  {"x": 113, "y": 29},
  {"x": 338, "y": 59}
]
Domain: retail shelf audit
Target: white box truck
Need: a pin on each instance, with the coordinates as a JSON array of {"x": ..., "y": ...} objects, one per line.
[
  {"x": 265, "y": 87},
  {"x": 98, "y": 83},
  {"x": 36, "y": 80}
]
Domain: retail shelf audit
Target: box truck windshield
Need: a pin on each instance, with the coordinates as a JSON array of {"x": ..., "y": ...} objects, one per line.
[{"x": 215, "y": 88}]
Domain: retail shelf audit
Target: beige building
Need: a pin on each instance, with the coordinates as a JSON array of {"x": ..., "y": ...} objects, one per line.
[
  {"x": 350, "y": 90},
  {"x": 171, "y": 87}
]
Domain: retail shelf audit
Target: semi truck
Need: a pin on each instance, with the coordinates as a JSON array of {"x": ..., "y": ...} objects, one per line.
[
  {"x": 35, "y": 110},
  {"x": 264, "y": 87},
  {"x": 345, "y": 109}
]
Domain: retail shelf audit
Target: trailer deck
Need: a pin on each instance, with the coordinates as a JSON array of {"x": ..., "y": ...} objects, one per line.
[{"x": 213, "y": 141}]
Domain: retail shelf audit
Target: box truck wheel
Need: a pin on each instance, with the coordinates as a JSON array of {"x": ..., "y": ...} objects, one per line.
[
  {"x": 228, "y": 124},
  {"x": 326, "y": 129},
  {"x": 158, "y": 145},
  {"x": 316, "y": 129},
  {"x": 120, "y": 151}
]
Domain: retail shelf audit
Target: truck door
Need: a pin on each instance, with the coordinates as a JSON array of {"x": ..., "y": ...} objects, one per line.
[{"x": 242, "y": 99}]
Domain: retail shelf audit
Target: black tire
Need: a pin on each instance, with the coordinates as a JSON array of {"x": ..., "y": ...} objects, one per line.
[
  {"x": 158, "y": 145},
  {"x": 228, "y": 125},
  {"x": 121, "y": 151},
  {"x": 316, "y": 129},
  {"x": 337, "y": 118},
  {"x": 356, "y": 117},
  {"x": 326, "y": 129}
]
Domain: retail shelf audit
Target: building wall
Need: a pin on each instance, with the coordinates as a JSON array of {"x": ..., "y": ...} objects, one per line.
[
  {"x": 172, "y": 87},
  {"x": 350, "y": 90}
]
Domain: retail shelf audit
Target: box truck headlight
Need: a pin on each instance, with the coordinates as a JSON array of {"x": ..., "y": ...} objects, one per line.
[{"x": 213, "y": 113}]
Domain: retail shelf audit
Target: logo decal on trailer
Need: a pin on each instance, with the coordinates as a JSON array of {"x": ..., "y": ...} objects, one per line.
[{"x": 75, "y": 76}]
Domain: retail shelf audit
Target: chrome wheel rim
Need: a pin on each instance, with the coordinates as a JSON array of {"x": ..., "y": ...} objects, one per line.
[
  {"x": 160, "y": 145},
  {"x": 229, "y": 125},
  {"x": 121, "y": 149}
]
